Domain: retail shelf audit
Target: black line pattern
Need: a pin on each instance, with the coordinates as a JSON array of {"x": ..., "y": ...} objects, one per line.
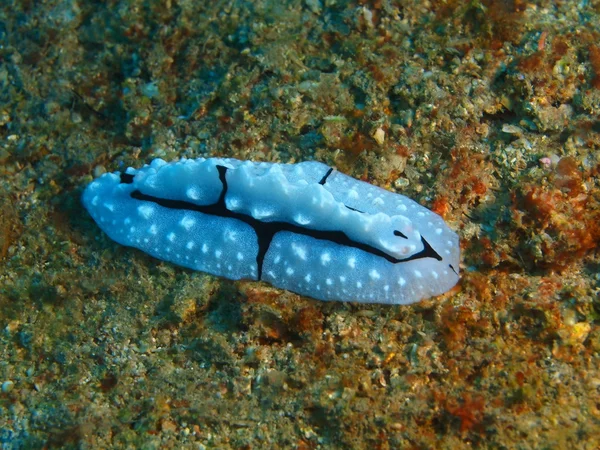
[
  {"x": 399, "y": 233},
  {"x": 354, "y": 209},
  {"x": 266, "y": 231},
  {"x": 324, "y": 179},
  {"x": 127, "y": 178}
]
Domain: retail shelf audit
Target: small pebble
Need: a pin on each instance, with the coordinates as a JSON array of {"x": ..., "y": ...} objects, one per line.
[
  {"x": 150, "y": 90},
  {"x": 99, "y": 170},
  {"x": 546, "y": 162},
  {"x": 379, "y": 136},
  {"x": 7, "y": 386},
  {"x": 512, "y": 129},
  {"x": 401, "y": 183}
]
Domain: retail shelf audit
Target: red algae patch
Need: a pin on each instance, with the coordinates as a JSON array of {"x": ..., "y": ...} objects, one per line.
[{"x": 560, "y": 221}]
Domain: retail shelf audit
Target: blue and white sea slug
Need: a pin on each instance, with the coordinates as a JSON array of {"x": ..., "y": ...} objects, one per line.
[{"x": 303, "y": 227}]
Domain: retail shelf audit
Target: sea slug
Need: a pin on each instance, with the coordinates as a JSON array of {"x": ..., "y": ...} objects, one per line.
[{"x": 303, "y": 227}]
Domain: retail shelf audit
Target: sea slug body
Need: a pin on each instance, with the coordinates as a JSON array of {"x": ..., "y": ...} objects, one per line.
[{"x": 303, "y": 227}]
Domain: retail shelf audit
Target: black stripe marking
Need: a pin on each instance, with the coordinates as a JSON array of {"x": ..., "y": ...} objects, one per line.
[
  {"x": 354, "y": 209},
  {"x": 265, "y": 231},
  {"x": 127, "y": 178},
  {"x": 399, "y": 233},
  {"x": 324, "y": 179}
]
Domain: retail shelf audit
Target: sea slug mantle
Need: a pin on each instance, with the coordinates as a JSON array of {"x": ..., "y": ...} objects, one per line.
[{"x": 303, "y": 227}]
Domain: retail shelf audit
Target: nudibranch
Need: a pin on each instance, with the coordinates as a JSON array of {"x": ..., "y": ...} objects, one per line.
[{"x": 303, "y": 227}]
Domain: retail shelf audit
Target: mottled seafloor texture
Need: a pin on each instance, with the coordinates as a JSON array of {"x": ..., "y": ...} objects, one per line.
[{"x": 485, "y": 111}]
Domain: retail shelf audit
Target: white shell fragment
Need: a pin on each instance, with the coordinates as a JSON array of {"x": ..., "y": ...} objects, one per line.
[{"x": 303, "y": 227}]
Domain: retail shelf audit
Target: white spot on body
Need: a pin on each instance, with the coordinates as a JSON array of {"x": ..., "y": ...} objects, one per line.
[
  {"x": 153, "y": 229},
  {"x": 258, "y": 213},
  {"x": 299, "y": 251},
  {"x": 417, "y": 273},
  {"x": 193, "y": 193},
  {"x": 230, "y": 236},
  {"x": 190, "y": 245},
  {"x": 325, "y": 258},
  {"x": 187, "y": 222},
  {"x": 374, "y": 275},
  {"x": 233, "y": 203},
  {"x": 301, "y": 220},
  {"x": 145, "y": 211},
  {"x": 352, "y": 262},
  {"x": 171, "y": 237}
]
